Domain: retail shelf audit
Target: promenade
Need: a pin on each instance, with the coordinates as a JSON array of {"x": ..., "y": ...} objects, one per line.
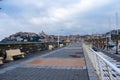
[{"x": 68, "y": 63}]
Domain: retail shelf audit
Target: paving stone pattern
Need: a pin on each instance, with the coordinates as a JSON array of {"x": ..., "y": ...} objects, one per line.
[
  {"x": 67, "y": 52},
  {"x": 26, "y": 72},
  {"x": 44, "y": 74}
]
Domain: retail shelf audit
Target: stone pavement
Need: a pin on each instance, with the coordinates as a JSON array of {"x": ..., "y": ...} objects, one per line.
[{"x": 67, "y": 63}]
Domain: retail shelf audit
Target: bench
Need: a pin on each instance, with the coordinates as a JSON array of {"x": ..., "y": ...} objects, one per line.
[
  {"x": 13, "y": 52},
  {"x": 1, "y": 60},
  {"x": 2, "y": 55},
  {"x": 61, "y": 45},
  {"x": 50, "y": 47}
]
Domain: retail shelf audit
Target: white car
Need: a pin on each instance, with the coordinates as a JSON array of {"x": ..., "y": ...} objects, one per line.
[{"x": 114, "y": 48}]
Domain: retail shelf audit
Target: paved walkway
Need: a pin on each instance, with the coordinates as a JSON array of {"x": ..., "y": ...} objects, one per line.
[{"x": 67, "y": 63}]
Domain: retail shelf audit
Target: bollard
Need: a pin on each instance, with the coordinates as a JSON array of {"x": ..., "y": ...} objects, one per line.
[{"x": 1, "y": 60}]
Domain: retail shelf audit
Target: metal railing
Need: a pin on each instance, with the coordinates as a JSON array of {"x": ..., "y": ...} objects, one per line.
[{"x": 104, "y": 68}]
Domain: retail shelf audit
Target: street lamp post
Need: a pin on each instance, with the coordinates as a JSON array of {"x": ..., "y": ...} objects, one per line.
[
  {"x": 58, "y": 41},
  {"x": 59, "y": 37}
]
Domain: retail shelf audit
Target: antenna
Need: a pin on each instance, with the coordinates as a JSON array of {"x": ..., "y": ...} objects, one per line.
[
  {"x": 117, "y": 20},
  {"x": 109, "y": 25}
]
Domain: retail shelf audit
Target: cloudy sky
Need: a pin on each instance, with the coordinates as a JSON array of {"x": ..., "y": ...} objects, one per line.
[{"x": 58, "y": 16}]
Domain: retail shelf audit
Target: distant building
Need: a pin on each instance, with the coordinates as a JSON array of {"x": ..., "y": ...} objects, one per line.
[
  {"x": 19, "y": 39},
  {"x": 43, "y": 34},
  {"x": 23, "y": 37}
]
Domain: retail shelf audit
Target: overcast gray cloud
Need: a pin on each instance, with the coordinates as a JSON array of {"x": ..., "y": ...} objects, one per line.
[{"x": 70, "y": 16}]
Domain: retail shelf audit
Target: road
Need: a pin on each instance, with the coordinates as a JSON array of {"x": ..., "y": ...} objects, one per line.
[{"x": 111, "y": 54}]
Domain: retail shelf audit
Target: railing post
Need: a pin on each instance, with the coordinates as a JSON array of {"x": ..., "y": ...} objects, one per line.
[
  {"x": 99, "y": 68},
  {"x": 109, "y": 75},
  {"x": 104, "y": 68},
  {"x": 95, "y": 61}
]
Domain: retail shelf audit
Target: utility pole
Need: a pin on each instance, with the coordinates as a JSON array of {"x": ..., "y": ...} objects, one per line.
[
  {"x": 58, "y": 40},
  {"x": 109, "y": 25},
  {"x": 59, "y": 37},
  {"x": 117, "y": 33},
  {"x": 117, "y": 24}
]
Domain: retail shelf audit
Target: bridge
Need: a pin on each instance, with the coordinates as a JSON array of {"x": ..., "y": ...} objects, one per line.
[{"x": 48, "y": 61}]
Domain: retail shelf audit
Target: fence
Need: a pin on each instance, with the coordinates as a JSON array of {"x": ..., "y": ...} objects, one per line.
[{"x": 104, "y": 68}]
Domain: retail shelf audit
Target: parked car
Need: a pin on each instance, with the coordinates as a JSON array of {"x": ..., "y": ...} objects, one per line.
[{"x": 114, "y": 48}]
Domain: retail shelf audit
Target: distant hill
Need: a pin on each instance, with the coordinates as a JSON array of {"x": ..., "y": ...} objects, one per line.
[
  {"x": 41, "y": 37},
  {"x": 23, "y": 36}
]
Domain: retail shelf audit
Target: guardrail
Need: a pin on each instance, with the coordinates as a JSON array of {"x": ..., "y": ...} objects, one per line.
[{"x": 105, "y": 69}]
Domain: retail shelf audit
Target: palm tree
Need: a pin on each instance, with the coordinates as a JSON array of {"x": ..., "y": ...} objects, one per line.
[
  {"x": 116, "y": 38},
  {"x": 107, "y": 40},
  {"x": 100, "y": 42},
  {"x": 103, "y": 42}
]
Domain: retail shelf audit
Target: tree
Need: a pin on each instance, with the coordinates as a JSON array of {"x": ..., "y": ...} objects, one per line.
[
  {"x": 116, "y": 38},
  {"x": 107, "y": 41},
  {"x": 103, "y": 42}
]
